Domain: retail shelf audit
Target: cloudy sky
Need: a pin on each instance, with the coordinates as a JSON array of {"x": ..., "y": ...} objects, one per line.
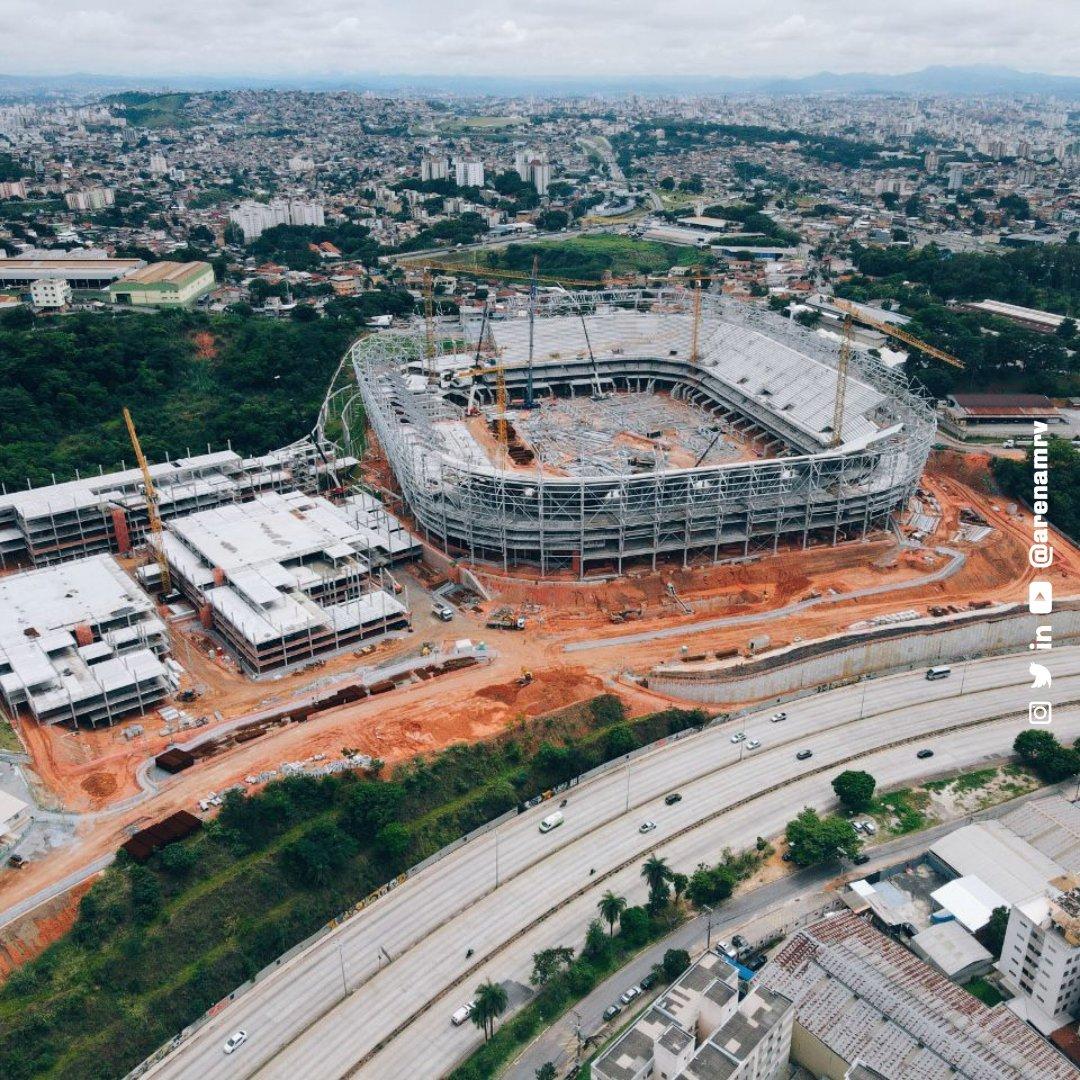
[{"x": 533, "y": 37}]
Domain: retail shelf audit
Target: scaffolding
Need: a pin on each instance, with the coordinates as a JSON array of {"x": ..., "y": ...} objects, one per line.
[{"x": 759, "y": 381}]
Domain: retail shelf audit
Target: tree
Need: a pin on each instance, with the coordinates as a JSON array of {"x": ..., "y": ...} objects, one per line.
[
  {"x": 814, "y": 840},
  {"x": 146, "y": 898},
  {"x": 546, "y": 1072},
  {"x": 489, "y": 1004},
  {"x": 656, "y": 874},
  {"x": 1041, "y": 750},
  {"x": 634, "y": 926},
  {"x": 549, "y": 962},
  {"x": 992, "y": 935},
  {"x": 392, "y": 841},
  {"x": 596, "y": 941},
  {"x": 369, "y": 806},
  {"x": 679, "y": 885},
  {"x": 854, "y": 789},
  {"x": 611, "y": 908},
  {"x": 676, "y": 961}
]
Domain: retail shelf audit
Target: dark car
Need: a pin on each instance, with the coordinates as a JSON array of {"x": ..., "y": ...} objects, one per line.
[
  {"x": 786, "y": 857},
  {"x": 739, "y": 941},
  {"x": 925, "y": 754},
  {"x": 861, "y": 859},
  {"x": 17, "y": 861},
  {"x": 673, "y": 798},
  {"x": 612, "y": 1011},
  {"x": 649, "y": 981},
  {"x": 756, "y": 963},
  {"x": 802, "y": 755}
]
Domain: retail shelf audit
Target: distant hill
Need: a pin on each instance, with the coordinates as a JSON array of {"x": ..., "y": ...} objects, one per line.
[{"x": 958, "y": 81}]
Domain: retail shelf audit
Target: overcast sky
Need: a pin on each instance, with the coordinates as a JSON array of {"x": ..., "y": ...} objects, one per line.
[{"x": 533, "y": 37}]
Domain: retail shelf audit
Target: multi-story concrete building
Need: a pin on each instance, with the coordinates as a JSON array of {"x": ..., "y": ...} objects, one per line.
[
  {"x": 50, "y": 293},
  {"x": 79, "y": 643},
  {"x": 92, "y": 199},
  {"x": 469, "y": 173},
  {"x": 283, "y": 578},
  {"x": 1040, "y": 960},
  {"x": 699, "y": 1030},
  {"x": 255, "y": 218},
  {"x": 434, "y": 168}
]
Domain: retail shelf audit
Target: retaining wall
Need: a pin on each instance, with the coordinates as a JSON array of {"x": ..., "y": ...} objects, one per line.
[{"x": 848, "y": 657}]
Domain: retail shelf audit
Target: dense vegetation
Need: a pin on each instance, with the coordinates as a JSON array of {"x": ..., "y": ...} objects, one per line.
[
  {"x": 189, "y": 379},
  {"x": 1064, "y": 461},
  {"x": 998, "y": 354},
  {"x": 155, "y": 945},
  {"x": 142, "y": 109}
]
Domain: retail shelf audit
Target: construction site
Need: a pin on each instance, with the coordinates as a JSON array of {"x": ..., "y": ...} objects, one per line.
[
  {"x": 671, "y": 483},
  {"x": 594, "y": 433}
]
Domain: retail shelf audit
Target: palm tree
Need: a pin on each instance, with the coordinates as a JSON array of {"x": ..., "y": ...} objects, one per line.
[
  {"x": 656, "y": 872},
  {"x": 491, "y": 1002},
  {"x": 611, "y": 907}
]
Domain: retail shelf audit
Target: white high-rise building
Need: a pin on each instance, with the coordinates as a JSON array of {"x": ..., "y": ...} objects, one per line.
[
  {"x": 1040, "y": 960},
  {"x": 540, "y": 174},
  {"x": 158, "y": 165},
  {"x": 469, "y": 173},
  {"x": 523, "y": 163},
  {"x": 434, "y": 168},
  {"x": 93, "y": 199},
  {"x": 255, "y": 218}
]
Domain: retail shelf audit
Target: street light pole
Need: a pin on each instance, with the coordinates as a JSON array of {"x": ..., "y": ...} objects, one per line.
[
  {"x": 627, "y": 785},
  {"x": 496, "y": 858},
  {"x": 708, "y": 931}
]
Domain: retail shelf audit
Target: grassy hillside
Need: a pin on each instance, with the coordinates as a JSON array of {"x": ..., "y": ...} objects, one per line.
[
  {"x": 154, "y": 946},
  {"x": 587, "y": 257}
]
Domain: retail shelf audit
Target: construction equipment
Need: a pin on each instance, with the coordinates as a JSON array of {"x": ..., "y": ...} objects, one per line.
[
  {"x": 429, "y": 327},
  {"x": 525, "y": 677},
  {"x": 901, "y": 335},
  {"x": 504, "y": 618},
  {"x": 598, "y": 393},
  {"x": 841, "y": 385},
  {"x": 626, "y": 614},
  {"x": 695, "y": 354},
  {"x": 150, "y": 493},
  {"x": 529, "y": 403}
]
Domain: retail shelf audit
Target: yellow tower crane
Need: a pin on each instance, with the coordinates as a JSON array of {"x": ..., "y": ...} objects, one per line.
[
  {"x": 150, "y": 492},
  {"x": 853, "y": 312}
]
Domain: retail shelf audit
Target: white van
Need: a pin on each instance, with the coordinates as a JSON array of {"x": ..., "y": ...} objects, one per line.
[
  {"x": 939, "y": 673},
  {"x": 552, "y": 821},
  {"x": 459, "y": 1016}
]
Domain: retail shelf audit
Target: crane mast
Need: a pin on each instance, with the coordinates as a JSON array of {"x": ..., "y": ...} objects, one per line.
[{"x": 150, "y": 493}]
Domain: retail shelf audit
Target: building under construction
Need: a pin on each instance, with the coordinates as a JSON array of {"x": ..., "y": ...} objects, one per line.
[
  {"x": 108, "y": 512},
  {"x": 594, "y": 432}
]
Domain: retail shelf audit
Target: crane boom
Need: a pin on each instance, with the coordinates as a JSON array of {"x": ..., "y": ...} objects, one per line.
[
  {"x": 901, "y": 335},
  {"x": 150, "y": 492},
  {"x": 841, "y": 385}
]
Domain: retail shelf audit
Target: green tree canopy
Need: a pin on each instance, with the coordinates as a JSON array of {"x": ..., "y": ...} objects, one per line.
[
  {"x": 814, "y": 840},
  {"x": 854, "y": 789}
]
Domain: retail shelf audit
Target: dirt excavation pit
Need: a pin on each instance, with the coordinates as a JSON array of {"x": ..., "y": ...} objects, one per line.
[{"x": 99, "y": 785}]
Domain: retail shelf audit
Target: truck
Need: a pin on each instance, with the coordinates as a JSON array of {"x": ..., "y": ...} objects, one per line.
[
  {"x": 504, "y": 618},
  {"x": 443, "y": 612}
]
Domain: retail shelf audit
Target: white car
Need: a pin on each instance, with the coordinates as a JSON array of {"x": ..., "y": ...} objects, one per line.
[
  {"x": 753, "y": 744},
  {"x": 777, "y": 717},
  {"x": 723, "y": 948},
  {"x": 235, "y": 1040},
  {"x": 630, "y": 994},
  {"x": 647, "y": 826},
  {"x": 460, "y": 1015},
  {"x": 739, "y": 736}
]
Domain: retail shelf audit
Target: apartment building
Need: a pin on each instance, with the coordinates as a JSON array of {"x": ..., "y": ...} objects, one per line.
[
  {"x": 699, "y": 1030},
  {"x": 1040, "y": 960}
]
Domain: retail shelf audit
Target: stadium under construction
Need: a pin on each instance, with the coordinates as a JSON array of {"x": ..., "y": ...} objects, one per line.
[{"x": 596, "y": 432}]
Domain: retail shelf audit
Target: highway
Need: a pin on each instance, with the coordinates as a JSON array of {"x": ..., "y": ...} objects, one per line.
[{"x": 394, "y": 1019}]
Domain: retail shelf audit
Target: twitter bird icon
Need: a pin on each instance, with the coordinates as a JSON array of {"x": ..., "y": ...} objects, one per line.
[{"x": 1040, "y": 675}]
